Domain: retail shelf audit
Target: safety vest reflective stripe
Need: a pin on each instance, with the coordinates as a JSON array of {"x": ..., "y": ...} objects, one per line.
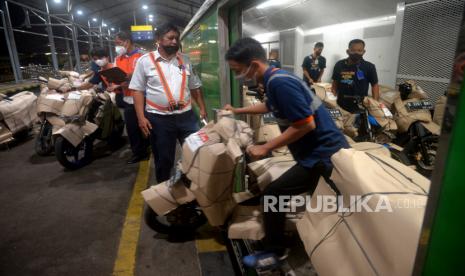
[
  {"x": 165, "y": 108},
  {"x": 166, "y": 88}
]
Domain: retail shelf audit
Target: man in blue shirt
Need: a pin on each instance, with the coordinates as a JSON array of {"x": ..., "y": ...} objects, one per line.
[
  {"x": 314, "y": 65},
  {"x": 307, "y": 130}
]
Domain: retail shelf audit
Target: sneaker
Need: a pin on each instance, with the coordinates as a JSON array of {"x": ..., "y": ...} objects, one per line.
[{"x": 263, "y": 260}]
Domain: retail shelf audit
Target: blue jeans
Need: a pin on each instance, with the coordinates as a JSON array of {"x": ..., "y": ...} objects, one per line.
[{"x": 166, "y": 130}]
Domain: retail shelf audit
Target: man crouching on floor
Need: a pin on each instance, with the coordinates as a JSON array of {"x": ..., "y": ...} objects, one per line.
[{"x": 307, "y": 130}]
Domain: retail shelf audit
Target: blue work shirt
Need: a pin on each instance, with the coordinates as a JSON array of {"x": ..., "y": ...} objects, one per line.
[{"x": 291, "y": 101}]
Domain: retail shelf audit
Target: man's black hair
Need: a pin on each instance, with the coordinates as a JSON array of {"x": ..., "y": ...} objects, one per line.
[
  {"x": 164, "y": 29},
  {"x": 124, "y": 36},
  {"x": 245, "y": 50},
  {"x": 99, "y": 52},
  {"x": 356, "y": 41},
  {"x": 319, "y": 45}
]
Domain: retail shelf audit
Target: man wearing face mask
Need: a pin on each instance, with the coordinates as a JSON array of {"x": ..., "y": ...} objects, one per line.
[
  {"x": 307, "y": 129},
  {"x": 314, "y": 65},
  {"x": 171, "y": 86},
  {"x": 101, "y": 59},
  {"x": 127, "y": 56},
  {"x": 352, "y": 76}
]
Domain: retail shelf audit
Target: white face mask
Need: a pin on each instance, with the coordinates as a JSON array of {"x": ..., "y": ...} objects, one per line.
[
  {"x": 249, "y": 82},
  {"x": 242, "y": 76},
  {"x": 120, "y": 50},
  {"x": 101, "y": 62}
]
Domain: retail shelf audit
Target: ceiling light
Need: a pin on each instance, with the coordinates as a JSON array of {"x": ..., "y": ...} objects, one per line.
[
  {"x": 112, "y": 29},
  {"x": 359, "y": 24},
  {"x": 151, "y": 19},
  {"x": 145, "y": 7},
  {"x": 104, "y": 25},
  {"x": 79, "y": 12},
  {"x": 94, "y": 19},
  {"x": 150, "y": 15},
  {"x": 271, "y": 3},
  {"x": 57, "y": 1}
]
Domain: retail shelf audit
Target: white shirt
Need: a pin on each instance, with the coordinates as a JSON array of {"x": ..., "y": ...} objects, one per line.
[{"x": 145, "y": 78}]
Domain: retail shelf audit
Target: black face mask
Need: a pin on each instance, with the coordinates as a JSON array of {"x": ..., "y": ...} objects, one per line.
[
  {"x": 355, "y": 57},
  {"x": 170, "y": 49}
]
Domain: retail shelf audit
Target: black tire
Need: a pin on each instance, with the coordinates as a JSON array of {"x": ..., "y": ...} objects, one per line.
[
  {"x": 400, "y": 156},
  {"x": 167, "y": 225},
  {"x": 44, "y": 143},
  {"x": 116, "y": 133},
  {"x": 72, "y": 157}
]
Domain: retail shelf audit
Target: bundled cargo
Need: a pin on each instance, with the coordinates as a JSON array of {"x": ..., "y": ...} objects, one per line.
[
  {"x": 167, "y": 196},
  {"x": 381, "y": 113},
  {"x": 18, "y": 112},
  {"x": 323, "y": 91},
  {"x": 413, "y": 110},
  {"x": 229, "y": 128},
  {"x": 77, "y": 104},
  {"x": 209, "y": 160},
  {"x": 246, "y": 223},
  {"x": 380, "y": 239},
  {"x": 268, "y": 170}
]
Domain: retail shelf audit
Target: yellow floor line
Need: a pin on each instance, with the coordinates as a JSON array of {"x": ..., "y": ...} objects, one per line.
[
  {"x": 206, "y": 242},
  {"x": 126, "y": 258},
  {"x": 209, "y": 245}
]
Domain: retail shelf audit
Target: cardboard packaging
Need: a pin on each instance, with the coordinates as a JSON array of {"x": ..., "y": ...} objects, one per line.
[
  {"x": 246, "y": 223},
  {"x": 75, "y": 133},
  {"x": 404, "y": 117},
  {"x": 266, "y": 133},
  {"x": 165, "y": 197},
  {"x": 268, "y": 170},
  {"x": 61, "y": 85},
  {"x": 255, "y": 121},
  {"x": 20, "y": 112},
  {"x": 229, "y": 128},
  {"x": 381, "y": 113},
  {"x": 323, "y": 91},
  {"x": 439, "y": 110},
  {"x": 388, "y": 97},
  {"x": 77, "y": 104},
  {"x": 367, "y": 243},
  {"x": 210, "y": 165},
  {"x": 5, "y": 134},
  {"x": 373, "y": 148},
  {"x": 50, "y": 101}
]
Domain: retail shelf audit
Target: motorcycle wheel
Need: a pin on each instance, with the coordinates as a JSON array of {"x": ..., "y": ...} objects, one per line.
[
  {"x": 424, "y": 168},
  {"x": 44, "y": 144},
  {"x": 185, "y": 218},
  {"x": 72, "y": 157}
]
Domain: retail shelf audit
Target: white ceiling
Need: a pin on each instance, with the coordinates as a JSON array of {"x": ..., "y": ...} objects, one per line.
[{"x": 310, "y": 14}]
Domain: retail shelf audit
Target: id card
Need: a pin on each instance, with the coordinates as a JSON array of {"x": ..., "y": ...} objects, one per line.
[{"x": 360, "y": 75}]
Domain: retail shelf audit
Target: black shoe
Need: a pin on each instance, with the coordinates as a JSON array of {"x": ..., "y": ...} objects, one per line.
[{"x": 136, "y": 159}]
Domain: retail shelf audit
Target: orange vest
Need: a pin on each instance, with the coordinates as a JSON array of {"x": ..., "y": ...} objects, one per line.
[{"x": 127, "y": 64}]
